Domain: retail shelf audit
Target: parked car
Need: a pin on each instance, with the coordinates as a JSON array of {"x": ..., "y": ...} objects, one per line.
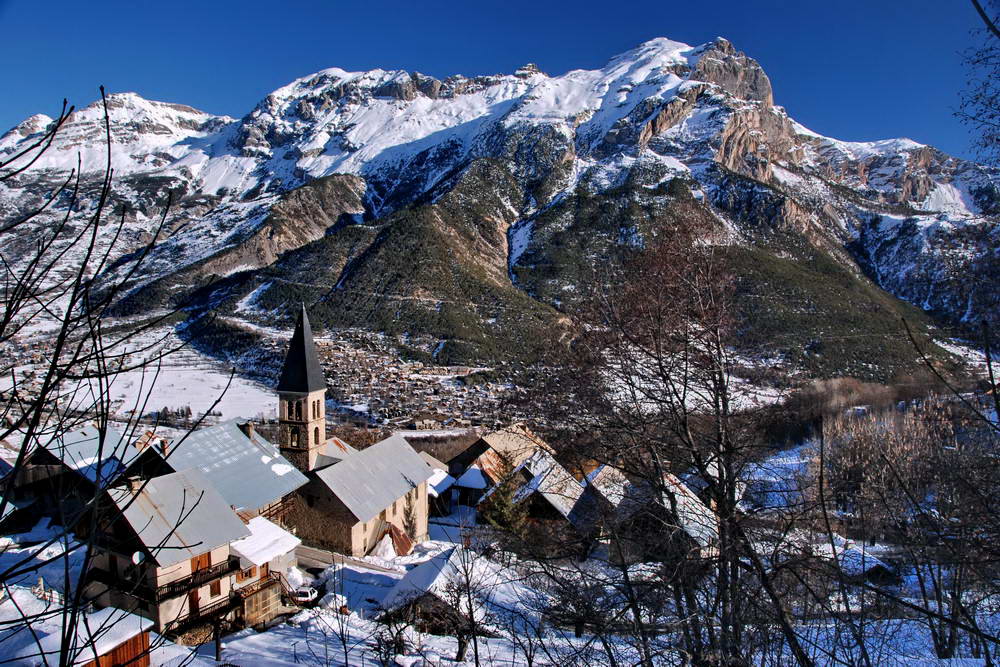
[{"x": 304, "y": 595}]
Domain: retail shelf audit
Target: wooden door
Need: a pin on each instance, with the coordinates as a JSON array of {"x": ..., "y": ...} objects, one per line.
[
  {"x": 264, "y": 569},
  {"x": 194, "y": 604},
  {"x": 200, "y": 562}
]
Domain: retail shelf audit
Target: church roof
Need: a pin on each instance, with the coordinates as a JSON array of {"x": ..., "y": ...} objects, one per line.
[
  {"x": 302, "y": 371},
  {"x": 373, "y": 478}
]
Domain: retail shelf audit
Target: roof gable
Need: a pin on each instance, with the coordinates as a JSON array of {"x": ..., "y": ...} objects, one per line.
[
  {"x": 178, "y": 516},
  {"x": 100, "y": 457},
  {"x": 248, "y": 472},
  {"x": 370, "y": 480}
]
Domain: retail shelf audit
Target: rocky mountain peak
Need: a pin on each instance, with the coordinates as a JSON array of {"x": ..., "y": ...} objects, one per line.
[{"x": 520, "y": 180}]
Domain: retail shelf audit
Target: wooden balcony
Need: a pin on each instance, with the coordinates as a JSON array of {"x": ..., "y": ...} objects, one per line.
[{"x": 144, "y": 591}]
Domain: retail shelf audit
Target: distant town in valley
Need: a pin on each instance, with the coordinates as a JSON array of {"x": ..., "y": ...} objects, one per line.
[{"x": 585, "y": 360}]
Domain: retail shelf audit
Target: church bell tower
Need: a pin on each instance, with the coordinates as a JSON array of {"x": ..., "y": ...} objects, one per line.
[{"x": 302, "y": 400}]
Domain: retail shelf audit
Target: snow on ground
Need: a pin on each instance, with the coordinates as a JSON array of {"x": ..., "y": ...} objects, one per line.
[
  {"x": 41, "y": 552},
  {"x": 776, "y": 483},
  {"x": 967, "y": 351},
  {"x": 184, "y": 377}
]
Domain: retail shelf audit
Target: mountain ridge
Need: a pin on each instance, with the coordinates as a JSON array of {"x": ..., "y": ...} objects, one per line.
[{"x": 511, "y": 186}]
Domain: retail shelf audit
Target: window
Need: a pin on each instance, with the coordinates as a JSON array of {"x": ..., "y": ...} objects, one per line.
[
  {"x": 215, "y": 588},
  {"x": 295, "y": 438},
  {"x": 248, "y": 573},
  {"x": 316, "y": 435}
]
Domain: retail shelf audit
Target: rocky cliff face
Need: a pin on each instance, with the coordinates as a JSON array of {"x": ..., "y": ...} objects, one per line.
[{"x": 468, "y": 210}]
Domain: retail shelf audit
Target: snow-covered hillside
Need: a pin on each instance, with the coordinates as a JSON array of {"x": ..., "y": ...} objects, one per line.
[{"x": 909, "y": 216}]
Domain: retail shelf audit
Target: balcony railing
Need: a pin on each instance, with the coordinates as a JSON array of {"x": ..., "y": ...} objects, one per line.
[
  {"x": 272, "y": 579},
  {"x": 172, "y": 589},
  {"x": 197, "y": 579}
]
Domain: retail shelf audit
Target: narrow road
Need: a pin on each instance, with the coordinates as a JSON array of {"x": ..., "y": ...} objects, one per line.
[{"x": 313, "y": 557}]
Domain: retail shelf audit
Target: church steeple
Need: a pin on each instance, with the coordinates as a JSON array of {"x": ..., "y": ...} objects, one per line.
[
  {"x": 302, "y": 399},
  {"x": 302, "y": 371}
]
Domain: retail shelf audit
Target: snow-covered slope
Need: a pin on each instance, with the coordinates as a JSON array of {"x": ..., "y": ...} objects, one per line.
[{"x": 501, "y": 159}]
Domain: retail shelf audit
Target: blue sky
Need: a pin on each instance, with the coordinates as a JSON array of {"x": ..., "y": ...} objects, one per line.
[{"x": 852, "y": 69}]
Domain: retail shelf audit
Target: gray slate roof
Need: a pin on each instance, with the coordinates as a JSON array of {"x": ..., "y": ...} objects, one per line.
[
  {"x": 302, "y": 371},
  {"x": 247, "y": 473},
  {"x": 372, "y": 479},
  {"x": 178, "y": 516},
  {"x": 100, "y": 460}
]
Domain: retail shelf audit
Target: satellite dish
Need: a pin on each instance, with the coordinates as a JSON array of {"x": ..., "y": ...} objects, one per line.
[{"x": 138, "y": 557}]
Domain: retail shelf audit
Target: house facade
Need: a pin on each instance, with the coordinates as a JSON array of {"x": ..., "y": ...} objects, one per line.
[{"x": 177, "y": 554}]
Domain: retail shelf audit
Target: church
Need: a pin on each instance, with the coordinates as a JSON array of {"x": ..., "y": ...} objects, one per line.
[{"x": 354, "y": 499}]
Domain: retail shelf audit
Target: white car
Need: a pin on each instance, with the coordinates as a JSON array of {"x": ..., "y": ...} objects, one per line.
[{"x": 304, "y": 594}]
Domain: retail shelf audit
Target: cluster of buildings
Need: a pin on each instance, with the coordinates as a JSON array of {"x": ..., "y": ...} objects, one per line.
[
  {"x": 204, "y": 528},
  {"x": 375, "y": 385}
]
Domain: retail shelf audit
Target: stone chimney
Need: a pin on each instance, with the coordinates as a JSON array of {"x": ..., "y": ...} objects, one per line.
[
  {"x": 134, "y": 484},
  {"x": 247, "y": 428}
]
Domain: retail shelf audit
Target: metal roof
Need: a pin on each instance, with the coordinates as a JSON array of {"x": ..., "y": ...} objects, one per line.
[
  {"x": 693, "y": 515},
  {"x": 516, "y": 442},
  {"x": 683, "y": 507},
  {"x": 99, "y": 457},
  {"x": 372, "y": 479},
  {"x": 249, "y": 473},
  {"x": 546, "y": 477},
  {"x": 302, "y": 371},
  {"x": 178, "y": 516}
]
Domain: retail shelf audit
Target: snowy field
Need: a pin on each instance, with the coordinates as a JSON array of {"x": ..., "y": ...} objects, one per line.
[{"x": 184, "y": 377}]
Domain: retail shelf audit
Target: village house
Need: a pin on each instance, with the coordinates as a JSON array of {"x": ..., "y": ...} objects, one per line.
[
  {"x": 439, "y": 594},
  {"x": 439, "y": 486},
  {"x": 177, "y": 553},
  {"x": 548, "y": 492},
  {"x": 101, "y": 638},
  {"x": 353, "y": 498},
  {"x": 62, "y": 475},
  {"x": 636, "y": 518},
  {"x": 490, "y": 459}
]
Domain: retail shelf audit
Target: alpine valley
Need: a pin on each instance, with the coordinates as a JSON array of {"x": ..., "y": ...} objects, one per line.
[{"x": 466, "y": 217}]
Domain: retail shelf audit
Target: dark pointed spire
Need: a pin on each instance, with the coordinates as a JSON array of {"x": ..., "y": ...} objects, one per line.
[{"x": 302, "y": 371}]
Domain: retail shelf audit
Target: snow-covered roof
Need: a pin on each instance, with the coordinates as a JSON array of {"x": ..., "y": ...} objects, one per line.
[
  {"x": 99, "y": 456},
  {"x": 248, "y": 472},
  {"x": 552, "y": 482},
  {"x": 266, "y": 542},
  {"x": 472, "y": 478},
  {"x": 374, "y": 478},
  {"x": 693, "y": 515},
  {"x": 95, "y": 634},
  {"x": 179, "y": 516},
  {"x": 459, "y": 569},
  {"x": 625, "y": 497},
  {"x": 439, "y": 482}
]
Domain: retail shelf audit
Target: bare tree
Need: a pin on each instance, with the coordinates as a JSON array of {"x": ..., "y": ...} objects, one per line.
[{"x": 57, "y": 294}]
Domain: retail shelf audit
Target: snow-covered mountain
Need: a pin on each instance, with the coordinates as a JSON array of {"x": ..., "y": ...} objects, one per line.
[{"x": 467, "y": 209}]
